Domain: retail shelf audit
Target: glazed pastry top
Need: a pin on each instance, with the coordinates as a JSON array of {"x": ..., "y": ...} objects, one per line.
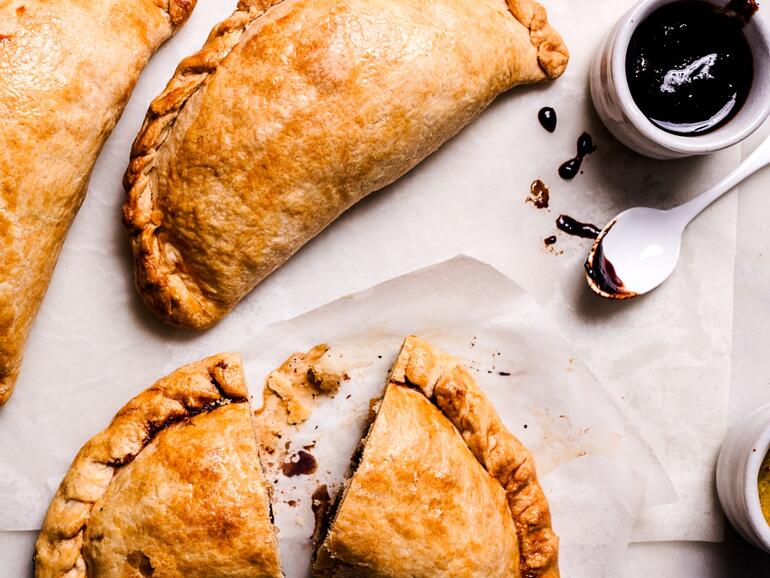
[
  {"x": 443, "y": 488},
  {"x": 66, "y": 71},
  {"x": 289, "y": 116},
  {"x": 172, "y": 487}
]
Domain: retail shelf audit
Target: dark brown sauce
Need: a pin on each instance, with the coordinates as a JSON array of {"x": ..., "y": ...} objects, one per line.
[
  {"x": 320, "y": 503},
  {"x": 601, "y": 271},
  {"x": 548, "y": 241},
  {"x": 539, "y": 195},
  {"x": 300, "y": 464},
  {"x": 547, "y": 118},
  {"x": 585, "y": 146},
  {"x": 576, "y": 228},
  {"x": 603, "y": 274},
  {"x": 689, "y": 65}
]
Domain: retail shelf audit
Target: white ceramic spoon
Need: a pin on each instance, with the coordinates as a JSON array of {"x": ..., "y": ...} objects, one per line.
[{"x": 639, "y": 248}]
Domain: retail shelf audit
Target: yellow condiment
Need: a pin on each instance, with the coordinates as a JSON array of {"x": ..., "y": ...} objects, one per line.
[{"x": 763, "y": 484}]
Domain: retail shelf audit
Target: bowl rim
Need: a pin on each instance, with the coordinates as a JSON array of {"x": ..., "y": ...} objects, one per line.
[{"x": 725, "y": 136}]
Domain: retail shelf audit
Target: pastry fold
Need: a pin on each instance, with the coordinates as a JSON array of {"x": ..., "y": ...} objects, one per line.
[
  {"x": 173, "y": 488},
  {"x": 441, "y": 487},
  {"x": 291, "y": 113},
  {"x": 67, "y": 68}
]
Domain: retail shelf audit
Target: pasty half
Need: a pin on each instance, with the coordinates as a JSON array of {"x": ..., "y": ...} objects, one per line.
[
  {"x": 292, "y": 113},
  {"x": 442, "y": 488},
  {"x": 67, "y": 68},
  {"x": 173, "y": 488}
]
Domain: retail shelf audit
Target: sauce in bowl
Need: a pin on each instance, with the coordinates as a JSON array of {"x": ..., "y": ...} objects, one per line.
[{"x": 689, "y": 65}]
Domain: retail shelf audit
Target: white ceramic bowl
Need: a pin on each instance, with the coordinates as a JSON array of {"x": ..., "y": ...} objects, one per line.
[
  {"x": 742, "y": 454},
  {"x": 616, "y": 107}
]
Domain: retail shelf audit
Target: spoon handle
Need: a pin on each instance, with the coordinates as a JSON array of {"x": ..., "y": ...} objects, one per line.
[{"x": 760, "y": 158}]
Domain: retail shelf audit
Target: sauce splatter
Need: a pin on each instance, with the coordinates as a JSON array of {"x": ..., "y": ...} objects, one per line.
[
  {"x": 576, "y": 228},
  {"x": 547, "y": 118},
  {"x": 585, "y": 146},
  {"x": 539, "y": 195},
  {"x": 300, "y": 464}
]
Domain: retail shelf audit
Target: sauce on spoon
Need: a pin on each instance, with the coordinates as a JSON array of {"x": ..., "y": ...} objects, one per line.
[{"x": 600, "y": 270}]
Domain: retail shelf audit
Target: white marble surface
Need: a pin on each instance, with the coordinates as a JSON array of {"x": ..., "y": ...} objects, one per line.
[
  {"x": 750, "y": 388},
  {"x": 471, "y": 208}
]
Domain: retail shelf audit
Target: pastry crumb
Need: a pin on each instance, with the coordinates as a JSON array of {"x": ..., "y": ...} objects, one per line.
[{"x": 303, "y": 377}]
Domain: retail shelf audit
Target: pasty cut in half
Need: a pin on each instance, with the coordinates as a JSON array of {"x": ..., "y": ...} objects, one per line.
[
  {"x": 67, "y": 68},
  {"x": 173, "y": 488},
  {"x": 441, "y": 487},
  {"x": 293, "y": 112}
]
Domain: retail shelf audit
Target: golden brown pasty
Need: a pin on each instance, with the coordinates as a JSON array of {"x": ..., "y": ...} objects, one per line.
[
  {"x": 66, "y": 70},
  {"x": 173, "y": 488},
  {"x": 290, "y": 114},
  {"x": 442, "y": 488}
]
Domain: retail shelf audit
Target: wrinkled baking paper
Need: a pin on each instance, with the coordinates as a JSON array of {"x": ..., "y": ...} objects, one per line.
[
  {"x": 666, "y": 357},
  {"x": 596, "y": 471}
]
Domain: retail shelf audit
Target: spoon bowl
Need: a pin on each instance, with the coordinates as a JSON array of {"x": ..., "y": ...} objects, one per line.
[
  {"x": 635, "y": 253},
  {"x": 639, "y": 249}
]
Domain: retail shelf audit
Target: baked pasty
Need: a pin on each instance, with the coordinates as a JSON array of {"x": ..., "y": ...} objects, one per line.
[
  {"x": 292, "y": 113},
  {"x": 173, "y": 488},
  {"x": 441, "y": 487},
  {"x": 66, "y": 70}
]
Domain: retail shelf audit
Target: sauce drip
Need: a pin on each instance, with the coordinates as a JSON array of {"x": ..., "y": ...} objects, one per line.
[
  {"x": 576, "y": 228},
  {"x": 689, "y": 66},
  {"x": 585, "y": 146},
  {"x": 548, "y": 241},
  {"x": 320, "y": 503},
  {"x": 547, "y": 118}
]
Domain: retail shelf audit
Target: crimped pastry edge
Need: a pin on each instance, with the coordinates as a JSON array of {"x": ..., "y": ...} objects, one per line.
[
  {"x": 178, "y": 10},
  {"x": 172, "y": 294},
  {"x": 451, "y": 387},
  {"x": 190, "y": 390},
  {"x": 552, "y": 53},
  {"x": 8, "y": 384}
]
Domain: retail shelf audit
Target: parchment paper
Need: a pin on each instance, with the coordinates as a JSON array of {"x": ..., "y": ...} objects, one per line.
[
  {"x": 751, "y": 364},
  {"x": 666, "y": 357},
  {"x": 596, "y": 471}
]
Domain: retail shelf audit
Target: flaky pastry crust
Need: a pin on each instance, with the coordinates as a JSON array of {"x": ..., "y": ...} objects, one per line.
[
  {"x": 173, "y": 485},
  {"x": 292, "y": 112},
  {"x": 446, "y": 382},
  {"x": 365, "y": 537},
  {"x": 67, "y": 68},
  {"x": 291, "y": 393}
]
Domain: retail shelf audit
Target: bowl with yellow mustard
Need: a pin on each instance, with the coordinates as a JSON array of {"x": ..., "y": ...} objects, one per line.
[{"x": 743, "y": 477}]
